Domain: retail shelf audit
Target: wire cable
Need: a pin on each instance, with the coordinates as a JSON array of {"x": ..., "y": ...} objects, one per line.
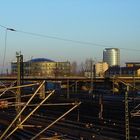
[
  {"x": 56, "y": 38},
  {"x": 3, "y": 26},
  {"x": 65, "y": 39}
]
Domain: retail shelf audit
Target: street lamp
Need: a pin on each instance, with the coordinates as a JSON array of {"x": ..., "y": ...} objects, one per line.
[
  {"x": 5, "y": 46},
  {"x": 11, "y": 29}
]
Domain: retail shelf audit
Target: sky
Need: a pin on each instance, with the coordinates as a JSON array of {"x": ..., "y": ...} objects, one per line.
[{"x": 100, "y": 23}]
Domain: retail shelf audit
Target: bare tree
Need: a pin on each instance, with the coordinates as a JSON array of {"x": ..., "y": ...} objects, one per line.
[
  {"x": 88, "y": 63},
  {"x": 74, "y": 68},
  {"x": 81, "y": 69},
  {"x": 86, "y": 66}
]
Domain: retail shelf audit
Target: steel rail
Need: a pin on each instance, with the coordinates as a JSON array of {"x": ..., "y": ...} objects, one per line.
[
  {"x": 28, "y": 115},
  {"x": 6, "y": 88},
  {"x": 55, "y": 104},
  {"x": 9, "y": 98},
  {"x": 135, "y": 112},
  {"x": 21, "y": 86},
  {"x": 76, "y": 105},
  {"x": 4, "y": 133}
]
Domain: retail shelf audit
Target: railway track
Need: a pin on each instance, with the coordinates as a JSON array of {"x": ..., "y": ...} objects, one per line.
[{"x": 88, "y": 127}]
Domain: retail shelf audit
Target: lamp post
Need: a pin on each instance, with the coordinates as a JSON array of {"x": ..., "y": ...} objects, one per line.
[{"x": 5, "y": 47}]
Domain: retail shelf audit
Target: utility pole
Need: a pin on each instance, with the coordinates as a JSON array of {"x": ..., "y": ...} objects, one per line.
[
  {"x": 127, "y": 134},
  {"x": 91, "y": 84},
  {"x": 19, "y": 79},
  {"x": 127, "y": 129},
  {"x": 42, "y": 92},
  {"x": 93, "y": 77},
  {"x": 134, "y": 88},
  {"x": 68, "y": 90},
  {"x": 100, "y": 106},
  {"x": 94, "y": 91},
  {"x": 113, "y": 84}
]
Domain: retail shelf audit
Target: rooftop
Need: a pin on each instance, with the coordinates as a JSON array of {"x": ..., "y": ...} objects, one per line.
[{"x": 41, "y": 60}]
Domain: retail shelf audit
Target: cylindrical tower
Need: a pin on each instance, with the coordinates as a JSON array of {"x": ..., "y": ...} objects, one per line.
[{"x": 111, "y": 56}]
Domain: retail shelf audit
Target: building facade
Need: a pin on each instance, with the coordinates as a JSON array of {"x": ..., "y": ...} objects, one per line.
[
  {"x": 132, "y": 64},
  {"x": 26, "y": 67},
  {"x": 97, "y": 71},
  {"x": 43, "y": 67},
  {"x": 100, "y": 68},
  {"x": 111, "y": 56},
  {"x": 123, "y": 71}
]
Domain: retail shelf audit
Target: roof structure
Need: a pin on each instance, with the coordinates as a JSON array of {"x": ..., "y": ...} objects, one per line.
[{"x": 41, "y": 60}]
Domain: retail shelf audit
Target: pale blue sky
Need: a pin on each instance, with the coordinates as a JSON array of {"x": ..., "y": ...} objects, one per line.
[{"x": 113, "y": 23}]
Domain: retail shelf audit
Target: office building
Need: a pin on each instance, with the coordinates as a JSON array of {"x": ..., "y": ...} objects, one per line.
[
  {"x": 111, "y": 56},
  {"x": 43, "y": 67}
]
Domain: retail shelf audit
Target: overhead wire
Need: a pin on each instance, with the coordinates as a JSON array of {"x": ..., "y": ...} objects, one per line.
[
  {"x": 65, "y": 39},
  {"x": 3, "y": 26},
  {"x": 128, "y": 49},
  {"x": 57, "y": 38}
]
